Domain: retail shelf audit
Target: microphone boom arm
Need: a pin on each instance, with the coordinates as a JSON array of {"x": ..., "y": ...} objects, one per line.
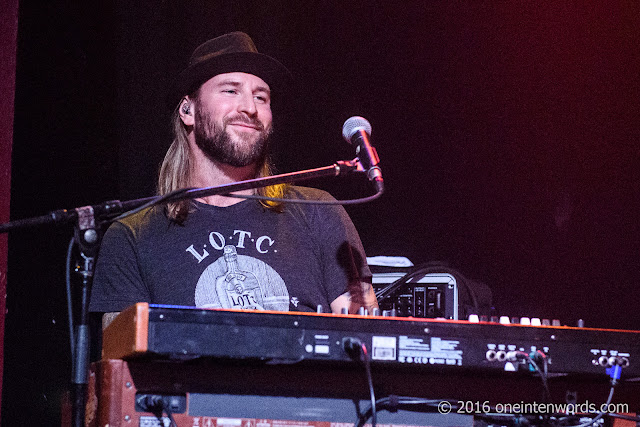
[{"x": 113, "y": 208}]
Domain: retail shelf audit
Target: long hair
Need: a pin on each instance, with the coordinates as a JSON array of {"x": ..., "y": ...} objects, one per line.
[{"x": 176, "y": 169}]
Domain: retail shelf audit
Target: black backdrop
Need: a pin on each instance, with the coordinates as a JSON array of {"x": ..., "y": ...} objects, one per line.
[{"x": 508, "y": 136}]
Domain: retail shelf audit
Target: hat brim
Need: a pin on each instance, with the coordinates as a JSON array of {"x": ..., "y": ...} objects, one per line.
[{"x": 276, "y": 75}]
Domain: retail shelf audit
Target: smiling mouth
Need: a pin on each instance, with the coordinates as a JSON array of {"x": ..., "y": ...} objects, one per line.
[{"x": 245, "y": 125}]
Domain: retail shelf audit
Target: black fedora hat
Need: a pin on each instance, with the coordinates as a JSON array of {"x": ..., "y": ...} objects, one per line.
[{"x": 228, "y": 53}]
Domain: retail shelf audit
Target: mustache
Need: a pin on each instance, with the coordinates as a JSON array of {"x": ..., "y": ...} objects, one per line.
[{"x": 245, "y": 120}]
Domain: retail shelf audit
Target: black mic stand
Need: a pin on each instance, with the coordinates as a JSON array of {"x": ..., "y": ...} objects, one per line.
[
  {"x": 87, "y": 236},
  {"x": 88, "y": 221}
]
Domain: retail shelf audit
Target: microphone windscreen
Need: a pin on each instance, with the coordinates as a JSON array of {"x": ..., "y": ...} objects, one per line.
[{"x": 354, "y": 124}]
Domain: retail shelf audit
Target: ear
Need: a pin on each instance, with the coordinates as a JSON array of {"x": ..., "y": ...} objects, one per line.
[{"x": 185, "y": 109}]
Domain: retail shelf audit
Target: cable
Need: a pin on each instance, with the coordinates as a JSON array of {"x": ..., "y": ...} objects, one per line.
[
  {"x": 514, "y": 356},
  {"x": 392, "y": 403},
  {"x": 543, "y": 375},
  {"x": 387, "y": 290},
  {"x": 157, "y": 405},
  {"x": 546, "y": 395},
  {"x": 372, "y": 395},
  {"x": 545, "y": 362},
  {"x": 310, "y": 202},
  {"x": 357, "y": 350},
  {"x": 614, "y": 373},
  {"x": 422, "y": 270},
  {"x": 171, "y": 419},
  {"x": 160, "y": 199},
  {"x": 152, "y": 202},
  {"x": 545, "y": 372},
  {"x": 626, "y": 417},
  {"x": 601, "y": 413}
]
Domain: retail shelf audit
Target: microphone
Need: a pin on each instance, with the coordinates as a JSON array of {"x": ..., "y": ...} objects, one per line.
[{"x": 356, "y": 131}]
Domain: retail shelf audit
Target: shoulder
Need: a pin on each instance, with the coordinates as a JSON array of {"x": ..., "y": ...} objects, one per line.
[
  {"x": 311, "y": 209},
  {"x": 308, "y": 193},
  {"x": 137, "y": 223},
  {"x": 326, "y": 215}
]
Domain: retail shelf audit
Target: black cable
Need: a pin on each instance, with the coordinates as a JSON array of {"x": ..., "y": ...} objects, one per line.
[
  {"x": 545, "y": 369},
  {"x": 521, "y": 355},
  {"x": 392, "y": 403},
  {"x": 72, "y": 337},
  {"x": 387, "y": 290},
  {"x": 309, "y": 202},
  {"x": 152, "y": 202},
  {"x": 160, "y": 199},
  {"x": 157, "y": 405},
  {"x": 367, "y": 366},
  {"x": 545, "y": 362},
  {"x": 170, "y": 415},
  {"x": 419, "y": 272},
  {"x": 357, "y": 350},
  {"x": 601, "y": 413},
  {"x": 543, "y": 375},
  {"x": 546, "y": 395},
  {"x": 626, "y": 417}
]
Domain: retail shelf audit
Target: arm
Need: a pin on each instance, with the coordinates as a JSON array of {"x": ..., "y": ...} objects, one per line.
[
  {"x": 346, "y": 276},
  {"x": 345, "y": 263},
  {"x": 118, "y": 281},
  {"x": 107, "y": 318},
  {"x": 359, "y": 296}
]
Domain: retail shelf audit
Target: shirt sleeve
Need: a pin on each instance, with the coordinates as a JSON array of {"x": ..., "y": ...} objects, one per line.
[{"x": 118, "y": 281}]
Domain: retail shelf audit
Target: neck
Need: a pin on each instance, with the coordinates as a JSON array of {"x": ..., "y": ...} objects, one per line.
[{"x": 209, "y": 173}]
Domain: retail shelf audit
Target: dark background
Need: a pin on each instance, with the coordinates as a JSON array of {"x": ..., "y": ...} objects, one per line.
[{"x": 508, "y": 134}]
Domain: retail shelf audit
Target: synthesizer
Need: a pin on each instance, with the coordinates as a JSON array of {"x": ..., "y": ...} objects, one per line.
[{"x": 170, "y": 332}]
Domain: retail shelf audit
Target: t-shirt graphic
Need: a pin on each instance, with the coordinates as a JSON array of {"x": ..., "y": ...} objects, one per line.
[{"x": 241, "y": 282}]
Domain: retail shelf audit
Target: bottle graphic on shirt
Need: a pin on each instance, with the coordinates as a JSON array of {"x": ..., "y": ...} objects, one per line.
[{"x": 240, "y": 289}]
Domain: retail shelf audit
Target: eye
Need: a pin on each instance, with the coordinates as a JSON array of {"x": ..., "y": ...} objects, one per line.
[
  {"x": 232, "y": 91},
  {"x": 263, "y": 98}
]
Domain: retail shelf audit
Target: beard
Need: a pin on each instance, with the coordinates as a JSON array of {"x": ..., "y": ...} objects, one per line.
[{"x": 219, "y": 145}]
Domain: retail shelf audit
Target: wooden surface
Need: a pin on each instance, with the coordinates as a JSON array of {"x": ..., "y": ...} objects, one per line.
[{"x": 118, "y": 339}]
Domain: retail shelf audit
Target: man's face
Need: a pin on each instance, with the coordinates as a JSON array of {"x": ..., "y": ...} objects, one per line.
[{"x": 233, "y": 118}]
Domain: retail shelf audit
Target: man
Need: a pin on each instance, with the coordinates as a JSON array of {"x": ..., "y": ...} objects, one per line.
[{"x": 221, "y": 251}]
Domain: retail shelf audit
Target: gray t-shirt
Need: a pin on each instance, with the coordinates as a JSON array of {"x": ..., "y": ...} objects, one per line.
[{"x": 241, "y": 256}]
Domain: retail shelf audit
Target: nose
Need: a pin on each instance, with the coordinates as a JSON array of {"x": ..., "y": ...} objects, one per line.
[{"x": 247, "y": 105}]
